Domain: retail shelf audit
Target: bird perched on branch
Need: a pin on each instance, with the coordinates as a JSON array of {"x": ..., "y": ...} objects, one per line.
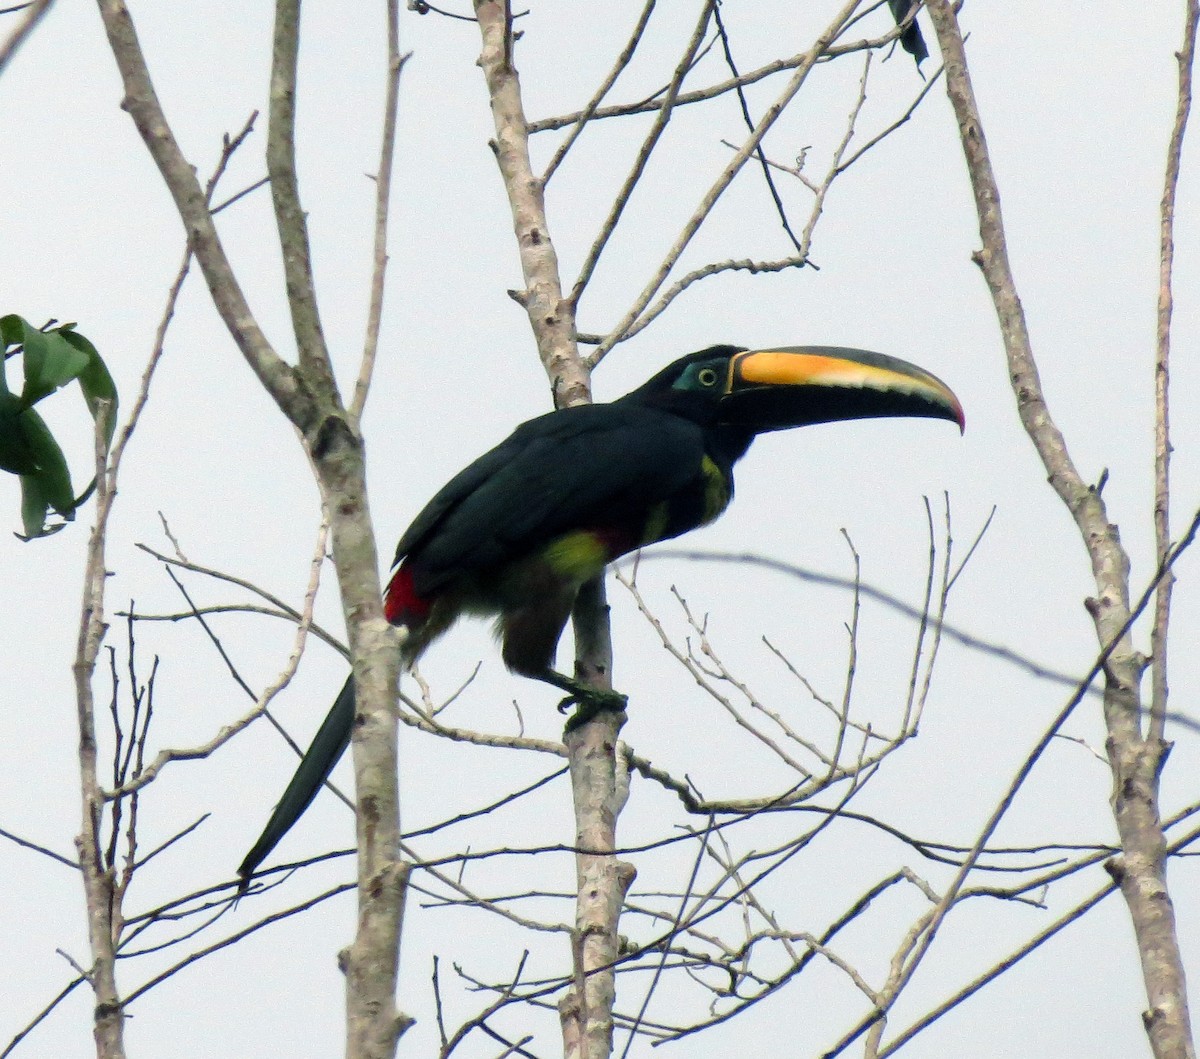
[
  {"x": 520, "y": 531},
  {"x": 911, "y": 39}
]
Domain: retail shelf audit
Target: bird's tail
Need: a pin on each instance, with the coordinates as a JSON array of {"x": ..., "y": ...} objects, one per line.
[
  {"x": 327, "y": 747},
  {"x": 403, "y": 607}
]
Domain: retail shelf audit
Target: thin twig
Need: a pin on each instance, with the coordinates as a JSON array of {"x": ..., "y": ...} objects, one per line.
[
  {"x": 1162, "y": 365},
  {"x": 383, "y": 196},
  {"x": 1005, "y": 654},
  {"x": 879, "y": 137},
  {"x": 720, "y": 88},
  {"x": 715, "y": 268},
  {"x": 585, "y": 115},
  {"x": 42, "y": 1015},
  {"x": 280, "y": 607},
  {"x": 34, "y": 13},
  {"x": 233, "y": 939},
  {"x": 709, "y": 199},
  {"x": 758, "y": 151},
  {"x": 289, "y": 615},
  {"x": 261, "y": 701},
  {"x": 1016, "y": 956},
  {"x": 39, "y": 849},
  {"x": 657, "y": 128},
  {"x": 677, "y": 924},
  {"x": 953, "y": 890}
]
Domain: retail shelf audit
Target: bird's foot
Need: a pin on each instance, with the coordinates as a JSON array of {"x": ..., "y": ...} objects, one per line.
[{"x": 591, "y": 702}]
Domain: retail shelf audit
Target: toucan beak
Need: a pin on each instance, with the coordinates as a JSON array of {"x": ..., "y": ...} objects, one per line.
[{"x": 775, "y": 389}]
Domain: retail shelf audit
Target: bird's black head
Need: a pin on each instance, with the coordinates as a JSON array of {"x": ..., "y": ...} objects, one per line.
[
  {"x": 692, "y": 386},
  {"x": 753, "y": 391}
]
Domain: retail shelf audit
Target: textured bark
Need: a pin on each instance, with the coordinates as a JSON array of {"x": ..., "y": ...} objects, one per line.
[
  {"x": 141, "y": 103},
  {"x": 308, "y": 397},
  {"x": 599, "y": 788},
  {"x": 103, "y": 911},
  {"x": 599, "y": 781},
  {"x": 371, "y": 963},
  {"x": 600, "y": 792},
  {"x": 1136, "y": 761},
  {"x": 550, "y": 315}
]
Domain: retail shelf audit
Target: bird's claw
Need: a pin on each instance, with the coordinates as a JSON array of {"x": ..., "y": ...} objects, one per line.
[{"x": 591, "y": 702}]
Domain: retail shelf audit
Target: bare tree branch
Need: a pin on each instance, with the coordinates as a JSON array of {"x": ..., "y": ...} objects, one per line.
[
  {"x": 1006, "y": 654},
  {"x": 1136, "y": 760},
  {"x": 383, "y": 196},
  {"x": 34, "y": 13},
  {"x": 1186, "y": 58},
  {"x": 659, "y": 125},
  {"x": 1037, "y": 941},
  {"x": 550, "y": 314},
  {"x": 952, "y": 893},
  {"x": 720, "y": 88},
  {"x": 586, "y": 114},
  {"x": 45, "y": 851},
  {"x": 308, "y": 396},
  {"x": 285, "y": 194},
  {"x": 109, "y": 1018},
  {"x": 261, "y": 701},
  {"x": 723, "y": 181},
  {"x": 102, "y": 891},
  {"x": 142, "y": 104}
]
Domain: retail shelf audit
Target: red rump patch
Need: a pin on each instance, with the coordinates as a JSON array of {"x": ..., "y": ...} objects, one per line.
[{"x": 401, "y": 604}]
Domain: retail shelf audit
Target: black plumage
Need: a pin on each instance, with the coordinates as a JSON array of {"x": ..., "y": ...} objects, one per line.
[{"x": 518, "y": 532}]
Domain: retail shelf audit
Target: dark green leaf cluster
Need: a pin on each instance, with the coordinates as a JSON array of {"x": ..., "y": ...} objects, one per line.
[{"x": 51, "y": 358}]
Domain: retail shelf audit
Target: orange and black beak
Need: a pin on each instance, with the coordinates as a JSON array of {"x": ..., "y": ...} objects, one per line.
[{"x": 795, "y": 386}]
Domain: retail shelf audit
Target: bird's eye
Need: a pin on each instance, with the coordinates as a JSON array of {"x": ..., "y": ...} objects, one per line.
[{"x": 707, "y": 376}]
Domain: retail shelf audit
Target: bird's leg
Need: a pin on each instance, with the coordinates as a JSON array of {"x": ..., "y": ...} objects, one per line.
[{"x": 591, "y": 701}]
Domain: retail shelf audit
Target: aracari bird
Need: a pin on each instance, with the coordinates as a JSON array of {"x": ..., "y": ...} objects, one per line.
[{"x": 520, "y": 531}]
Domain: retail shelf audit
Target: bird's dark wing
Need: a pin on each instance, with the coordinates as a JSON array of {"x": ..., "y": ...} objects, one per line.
[
  {"x": 590, "y": 467},
  {"x": 582, "y": 468}
]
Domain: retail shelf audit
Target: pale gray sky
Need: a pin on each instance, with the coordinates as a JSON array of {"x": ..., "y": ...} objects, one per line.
[{"x": 1077, "y": 109}]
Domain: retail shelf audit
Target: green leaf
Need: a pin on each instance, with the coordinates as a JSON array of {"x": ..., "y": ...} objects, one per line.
[
  {"x": 12, "y": 330},
  {"x": 95, "y": 381},
  {"x": 33, "y": 511},
  {"x": 50, "y": 360},
  {"x": 51, "y": 472},
  {"x": 16, "y": 454},
  {"x": 33, "y": 507},
  {"x": 49, "y": 486}
]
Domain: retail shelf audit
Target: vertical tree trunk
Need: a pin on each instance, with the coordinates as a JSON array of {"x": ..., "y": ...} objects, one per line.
[{"x": 1136, "y": 761}]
